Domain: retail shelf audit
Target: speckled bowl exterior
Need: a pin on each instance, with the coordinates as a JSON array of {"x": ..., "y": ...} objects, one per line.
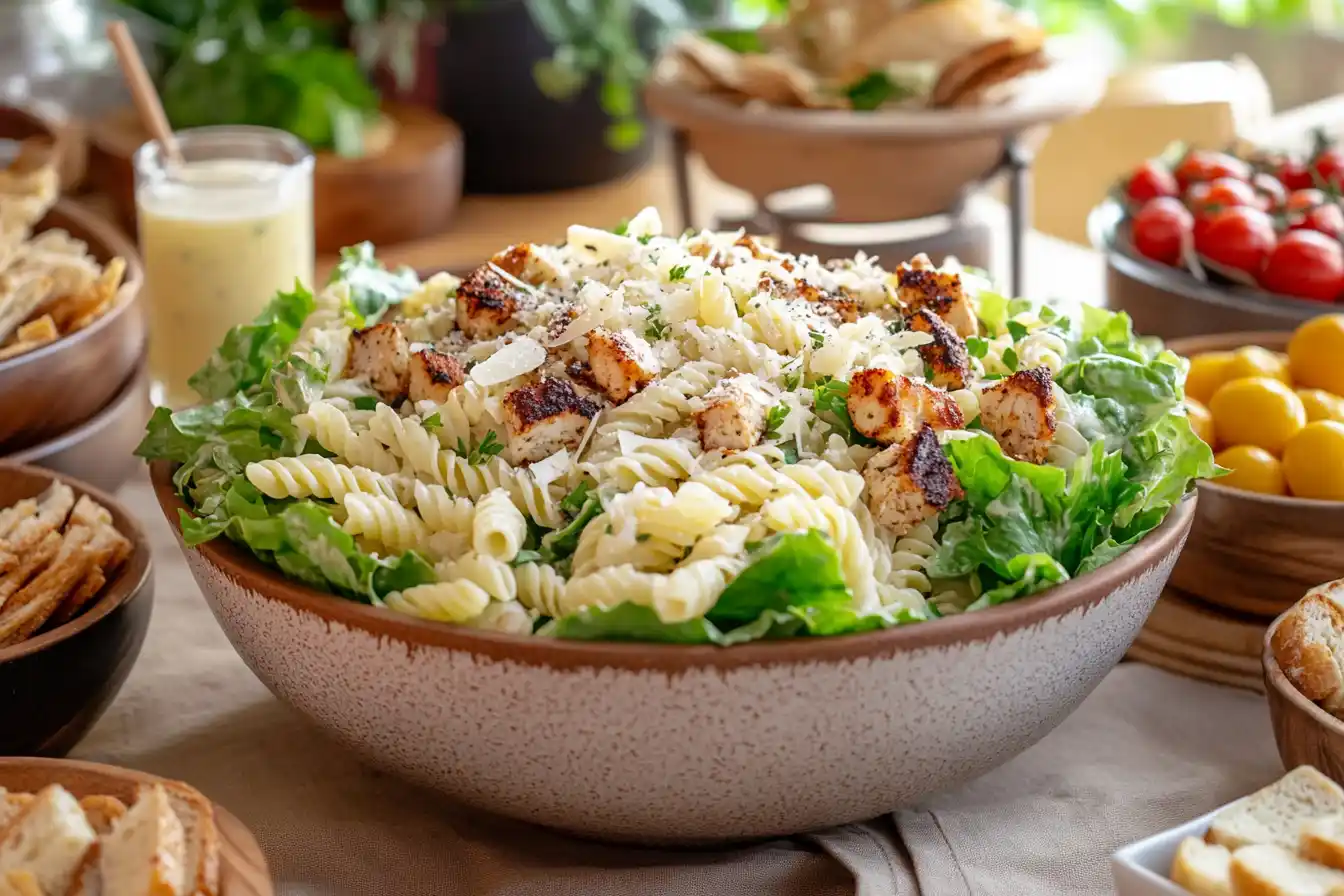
[{"x": 666, "y": 744}]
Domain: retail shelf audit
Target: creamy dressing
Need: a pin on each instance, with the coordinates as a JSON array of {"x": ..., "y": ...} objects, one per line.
[{"x": 219, "y": 239}]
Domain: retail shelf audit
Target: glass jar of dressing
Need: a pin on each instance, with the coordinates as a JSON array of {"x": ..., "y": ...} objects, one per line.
[{"x": 220, "y": 231}]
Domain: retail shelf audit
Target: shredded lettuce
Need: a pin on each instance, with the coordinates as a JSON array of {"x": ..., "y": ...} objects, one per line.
[{"x": 249, "y": 350}]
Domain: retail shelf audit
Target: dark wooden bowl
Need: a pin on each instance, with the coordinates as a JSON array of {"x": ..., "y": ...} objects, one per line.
[
  {"x": 1172, "y": 302},
  {"x": 1305, "y": 733},
  {"x": 99, "y": 451},
  {"x": 1255, "y": 553},
  {"x": 54, "y": 686},
  {"x": 407, "y": 192},
  {"x": 242, "y": 866},
  {"x": 50, "y": 390}
]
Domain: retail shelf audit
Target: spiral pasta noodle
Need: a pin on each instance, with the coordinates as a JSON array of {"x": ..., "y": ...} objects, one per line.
[
  {"x": 441, "y": 511},
  {"x": 491, "y": 575},
  {"x": 796, "y": 513},
  {"x": 773, "y": 324},
  {"x": 315, "y": 476},
  {"x": 383, "y": 520},
  {"x": 459, "y": 601},
  {"x": 510, "y": 617},
  {"x": 651, "y": 462},
  {"x": 331, "y": 428},
  {"x": 498, "y": 527},
  {"x": 540, "y": 588},
  {"x": 656, "y": 410}
]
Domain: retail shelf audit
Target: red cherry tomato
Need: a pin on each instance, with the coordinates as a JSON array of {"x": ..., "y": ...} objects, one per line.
[
  {"x": 1149, "y": 181},
  {"x": 1303, "y": 200},
  {"x": 1327, "y": 219},
  {"x": 1329, "y": 167},
  {"x": 1202, "y": 164},
  {"x": 1238, "y": 238},
  {"x": 1293, "y": 174},
  {"x": 1270, "y": 191},
  {"x": 1209, "y": 197},
  {"x": 1305, "y": 264},
  {"x": 1160, "y": 229}
]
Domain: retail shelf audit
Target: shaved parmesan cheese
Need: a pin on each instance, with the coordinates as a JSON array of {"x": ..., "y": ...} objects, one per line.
[
  {"x": 583, "y": 443},
  {"x": 599, "y": 304},
  {"x": 513, "y": 360},
  {"x": 549, "y": 469},
  {"x": 600, "y": 245},
  {"x": 646, "y": 223}
]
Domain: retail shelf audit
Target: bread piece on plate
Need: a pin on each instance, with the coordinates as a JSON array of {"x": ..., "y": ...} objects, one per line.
[
  {"x": 1202, "y": 868},
  {"x": 1276, "y": 813},
  {"x": 1309, "y": 644},
  {"x": 197, "y": 815},
  {"x": 1322, "y": 841},
  {"x": 144, "y": 855},
  {"x": 1270, "y": 870},
  {"x": 48, "y": 839}
]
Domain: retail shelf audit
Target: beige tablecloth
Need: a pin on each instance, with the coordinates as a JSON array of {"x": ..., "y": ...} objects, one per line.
[{"x": 1146, "y": 751}]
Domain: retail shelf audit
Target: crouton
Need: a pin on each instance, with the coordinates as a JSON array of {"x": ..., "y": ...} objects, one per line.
[
  {"x": 733, "y": 415},
  {"x": 909, "y": 482},
  {"x": 486, "y": 303},
  {"x": 381, "y": 355},
  {"x": 920, "y": 285},
  {"x": 434, "y": 375},
  {"x": 620, "y": 363},
  {"x": 889, "y": 407},
  {"x": 1020, "y": 413},
  {"x": 544, "y": 417},
  {"x": 946, "y": 355}
]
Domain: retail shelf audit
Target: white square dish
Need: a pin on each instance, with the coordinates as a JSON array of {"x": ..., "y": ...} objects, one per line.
[{"x": 1141, "y": 869}]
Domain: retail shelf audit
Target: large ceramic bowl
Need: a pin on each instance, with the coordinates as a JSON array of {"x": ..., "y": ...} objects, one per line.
[{"x": 684, "y": 744}]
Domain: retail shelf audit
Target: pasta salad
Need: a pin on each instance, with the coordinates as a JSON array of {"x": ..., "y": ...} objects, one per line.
[{"x": 690, "y": 439}]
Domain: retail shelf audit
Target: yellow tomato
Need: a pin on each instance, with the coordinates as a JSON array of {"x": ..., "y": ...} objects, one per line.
[
  {"x": 1315, "y": 353},
  {"x": 1257, "y": 411},
  {"x": 1208, "y": 371},
  {"x": 1256, "y": 361},
  {"x": 1321, "y": 405},
  {"x": 1201, "y": 421},
  {"x": 1313, "y": 461},
  {"x": 1253, "y": 470}
]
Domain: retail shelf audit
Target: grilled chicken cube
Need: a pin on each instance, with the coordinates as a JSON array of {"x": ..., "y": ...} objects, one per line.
[
  {"x": 544, "y": 417},
  {"x": 921, "y": 285},
  {"x": 486, "y": 303},
  {"x": 733, "y": 415},
  {"x": 621, "y": 363},
  {"x": 946, "y": 355},
  {"x": 381, "y": 355},
  {"x": 1020, "y": 413},
  {"x": 527, "y": 263},
  {"x": 889, "y": 407},
  {"x": 910, "y": 482},
  {"x": 434, "y": 375}
]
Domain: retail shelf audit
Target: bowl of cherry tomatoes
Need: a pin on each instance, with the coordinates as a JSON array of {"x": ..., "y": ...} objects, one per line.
[
  {"x": 1199, "y": 241},
  {"x": 1271, "y": 405}
]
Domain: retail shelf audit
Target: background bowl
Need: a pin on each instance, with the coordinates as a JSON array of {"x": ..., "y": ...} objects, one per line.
[
  {"x": 242, "y": 867},
  {"x": 55, "y": 685},
  {"x": 46, "y": 392},
  {"x": 1173, "y": 303},
  {"x": 99, "y": 451},
  {"x": 669, "y": 744},
  {"x": 1255, "y": 553},
  {"x": 1305, "y": 733}
]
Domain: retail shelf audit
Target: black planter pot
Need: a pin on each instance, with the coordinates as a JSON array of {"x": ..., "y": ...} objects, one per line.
[{"x": 518, "y": 140}]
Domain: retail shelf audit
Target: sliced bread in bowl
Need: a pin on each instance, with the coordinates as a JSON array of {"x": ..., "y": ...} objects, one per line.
[
  {"x": 1271, "y": 870},
  {"x": 48, "y": 839},
  {"x": 145, "y": 852}
]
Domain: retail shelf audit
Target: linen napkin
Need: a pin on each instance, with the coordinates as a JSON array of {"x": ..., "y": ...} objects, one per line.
[{"x": 1146, "y": 751}]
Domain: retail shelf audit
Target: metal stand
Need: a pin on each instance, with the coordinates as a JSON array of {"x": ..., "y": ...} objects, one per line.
[{"x": 1017, "y": 160}]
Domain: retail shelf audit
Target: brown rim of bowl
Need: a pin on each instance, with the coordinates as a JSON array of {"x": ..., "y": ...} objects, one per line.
[
  {"x": 1275, "y": 679},
  {"x": 131, "y": 283},
  {"x": 129, "y": 582},
  {"x": 239, "y": 566},
  {"x": 135, "y": 387}
]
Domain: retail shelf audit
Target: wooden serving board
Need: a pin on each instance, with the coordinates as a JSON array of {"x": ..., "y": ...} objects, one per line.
[
  {"x": 1193, "y": 639},
  {"x": 406, "y": 192},
  {"x": 242, "y": 866}
]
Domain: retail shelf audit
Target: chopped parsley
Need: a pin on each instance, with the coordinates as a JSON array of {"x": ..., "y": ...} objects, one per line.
[
  {"x": 433, "y": 422},
  {"x": 678, "y": 272},
  {"x": 573, "y": 502},
  {"x": 622, "y": 228},
  {"x": 644, "y": 240},
  {"x": 643, "y": 536},
  {"x": 830, "y": 396},
  {"x": 656, "y": 328},
  {"x": 793, "y": 379},
  {"x": 774, "y": 419},
  {"x": 929, "y": 372},
  {"x": 525, "y": 556},
  {"x": 489, "y": 447},
  {"x": 1010, "y": 360},
  {"x": 977, "y": 346},
  {"x": 896, "y": 325},
  {"x": 1017, "y": 330},
  {"x": 818, "y": 338},
  {"x": 365, "y": 403},
  {"x": 790, "y": 453}
]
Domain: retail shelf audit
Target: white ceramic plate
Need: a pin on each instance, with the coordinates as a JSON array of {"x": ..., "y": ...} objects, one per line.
[{"x": 1141, "y": 869}]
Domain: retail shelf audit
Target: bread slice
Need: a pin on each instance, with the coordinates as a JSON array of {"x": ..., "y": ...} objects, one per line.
[
  {"x": 1270, "y": 870},
  {"x": 1308, "y": 644},
  {"x": 103, "y": 812},
  {"x": 1322, "y": 841},
  {"x": 144, "y": 853},
  {"x": 197, "y": 815},
  {"x": 11, "y": 804},
  {"x": 1202, "y": 868},
  {"x": 19, "y": 883},
  {"x": 48, "y": 839},
  {"x": 1275, "y": 814}
]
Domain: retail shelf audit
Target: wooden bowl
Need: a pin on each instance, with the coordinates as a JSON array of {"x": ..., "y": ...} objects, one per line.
[
  {"x": 50, "y": 390},
  {"x": 99, "y": 451},
  {"x": 1172, "y": 302},
  {"x": 407, "y": 192},
  {"x": 488, "y": 718},
  {"x": 1255, "y": 553},
  {"x": 54, "y": 686},
  {"x": 879, "y": 166},
  {"x": 1305, "y": 733},
  {"x": 242, "y": 866},
  {"x": 68, "y": 150}
]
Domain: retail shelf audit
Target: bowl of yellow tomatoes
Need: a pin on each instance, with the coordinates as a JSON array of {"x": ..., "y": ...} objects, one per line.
[{"x": 1272, "y": 407}]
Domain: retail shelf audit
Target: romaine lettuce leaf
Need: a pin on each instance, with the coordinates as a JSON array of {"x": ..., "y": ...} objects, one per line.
[
  {"x": 373, "y": 288},
  {"x": 787, "y": 570},
  {"x": 250, "y": 350}
]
